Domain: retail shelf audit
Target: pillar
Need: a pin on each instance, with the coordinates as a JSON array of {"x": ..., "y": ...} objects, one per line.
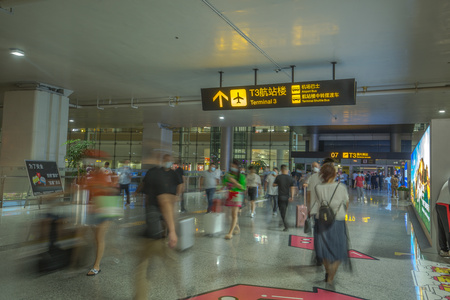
[
  {"x": 226, "y": 142},
  {"x": 396, "y": 142},
  {"x": 280, "y": 158},
  {"x": 314, "y": 142},
  {"x": 156, "y": 140},
  {"x": 34, "y": 127}
]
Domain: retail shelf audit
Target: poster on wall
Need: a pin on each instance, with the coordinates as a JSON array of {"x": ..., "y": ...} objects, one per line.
[{"x": 420, "y": 178}]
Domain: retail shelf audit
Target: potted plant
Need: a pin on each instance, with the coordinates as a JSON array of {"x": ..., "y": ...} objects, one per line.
[
  {"x": 76, "y": 151},
  {"x": 259, "y": 165},
  {"x": 402, "y": 192}
]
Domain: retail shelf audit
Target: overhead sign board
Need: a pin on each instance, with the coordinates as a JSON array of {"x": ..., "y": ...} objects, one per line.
[
  {"x": 298, "y": 94},
  {"x": 44, "y": 176},
  {"x": 352, "y": 155}
]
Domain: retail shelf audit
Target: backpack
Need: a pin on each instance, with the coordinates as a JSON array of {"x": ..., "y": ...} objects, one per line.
[{"x": 326, "y": 215}]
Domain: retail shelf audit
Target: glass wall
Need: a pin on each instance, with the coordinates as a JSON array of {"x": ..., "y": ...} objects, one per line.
[
  {"x": 120, "y": 143},
  {"x": 196, "y": 147}
]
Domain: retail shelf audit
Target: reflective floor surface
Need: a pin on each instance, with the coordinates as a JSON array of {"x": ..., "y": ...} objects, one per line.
[{"x": 262, "y": 262}]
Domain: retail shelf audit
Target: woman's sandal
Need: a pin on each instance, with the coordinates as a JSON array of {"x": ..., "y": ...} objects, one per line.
[
  {"x": 93, "y": 272},
  {"x": 228, "y": 236}
]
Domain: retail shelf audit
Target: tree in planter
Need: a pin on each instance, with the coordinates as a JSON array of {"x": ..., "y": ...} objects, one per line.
[
  {"x": 259, "y": 164},
  {"x": 76, "y": 152}
]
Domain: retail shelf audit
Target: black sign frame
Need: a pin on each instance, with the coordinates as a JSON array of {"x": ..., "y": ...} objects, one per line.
[
  {"x": 44, "y": 177},
  {"x": 281, "y": 95}
]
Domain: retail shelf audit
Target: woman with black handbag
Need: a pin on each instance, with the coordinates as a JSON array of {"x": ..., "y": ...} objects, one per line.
[{"x": 332, "y": 239}]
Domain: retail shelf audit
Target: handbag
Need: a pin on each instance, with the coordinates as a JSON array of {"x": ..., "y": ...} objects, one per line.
[
  {"x": 307, "y": 227},
  {"x": 326, "y": 214}
]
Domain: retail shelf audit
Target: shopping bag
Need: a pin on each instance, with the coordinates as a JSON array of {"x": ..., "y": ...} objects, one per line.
[{"x": 108, "y": 206}]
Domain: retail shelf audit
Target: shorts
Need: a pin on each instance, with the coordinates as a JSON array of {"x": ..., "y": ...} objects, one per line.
[{"x": 252, "y": 193}]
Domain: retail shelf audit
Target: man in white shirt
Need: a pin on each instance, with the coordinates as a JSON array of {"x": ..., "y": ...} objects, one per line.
[
  {"x": 272, "y": 191},
  {"x": 107, "y": 171},
  {"x": 388, "y": 181},
  {"x": 209, "y": 181}
]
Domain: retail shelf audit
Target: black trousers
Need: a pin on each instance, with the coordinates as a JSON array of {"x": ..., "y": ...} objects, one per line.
[
  {"x": 443, "y": 226},
  {"x": 283, "y": 204},
  {"x": 126, "y": 188}
]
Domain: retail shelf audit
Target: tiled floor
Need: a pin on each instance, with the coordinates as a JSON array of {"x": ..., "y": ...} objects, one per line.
[{"x": 259, "y": 257}]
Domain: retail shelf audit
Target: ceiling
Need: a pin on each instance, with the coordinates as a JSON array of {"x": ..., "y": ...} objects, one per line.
[{"x": 109, "y": 52}]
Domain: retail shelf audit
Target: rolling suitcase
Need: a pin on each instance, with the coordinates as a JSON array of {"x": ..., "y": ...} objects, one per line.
[
  {"x": 186, "y": 233},
  {"x": 214, "y": 223},
  {"x": 301, "y": 215}
]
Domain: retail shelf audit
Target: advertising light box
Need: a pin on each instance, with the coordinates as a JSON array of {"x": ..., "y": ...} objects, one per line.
[{"x": 420, "y": 178}]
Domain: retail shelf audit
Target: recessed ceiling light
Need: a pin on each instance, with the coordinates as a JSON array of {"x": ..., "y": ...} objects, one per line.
[
  {"x": 17, "y": 52},
  {"x": 441, "y": 111},
  {"x": 222, "y": 118},
  {"x": 71, "y": 121}
]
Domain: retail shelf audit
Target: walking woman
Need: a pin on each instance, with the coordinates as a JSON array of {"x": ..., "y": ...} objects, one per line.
[
  {"x": 235, "y": 182},
  {"x": 253, "y": 183},
  {"x": 332, "y": 242}
]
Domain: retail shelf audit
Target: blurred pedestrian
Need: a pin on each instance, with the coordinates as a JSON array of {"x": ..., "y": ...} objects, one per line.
[
  {"x": 160, "y": 186},
  {"x": 236, "y": 184},
  {"x": 394, "y": 186},
  {"x": 125, "y": 176},
  {"x": 388, "y": 181},
  {"x": 100, "y": 187},
  {"x": 209, "y": 181},
  {"x": 359, "y": 185},
  {"x": 286, "y": 184},
  {"x": 332, "y": 243},
  {"x": 272, "y": 191},
  {"x": 253, "y": 183}
]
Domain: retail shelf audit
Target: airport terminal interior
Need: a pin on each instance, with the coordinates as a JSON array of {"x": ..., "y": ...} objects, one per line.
[{"x": 262, "y": 84}]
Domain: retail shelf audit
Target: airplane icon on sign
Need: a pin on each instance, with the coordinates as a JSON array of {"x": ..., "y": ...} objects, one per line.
[{"x": 239, "y": 98}]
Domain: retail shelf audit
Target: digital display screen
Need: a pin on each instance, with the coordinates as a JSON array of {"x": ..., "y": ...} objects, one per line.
[
  {"x": 420, "y": 178},
  {"x": 299, "y": 94}
]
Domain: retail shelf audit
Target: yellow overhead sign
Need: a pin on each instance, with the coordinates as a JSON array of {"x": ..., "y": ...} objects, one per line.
[{"x": 318, "y": 93}]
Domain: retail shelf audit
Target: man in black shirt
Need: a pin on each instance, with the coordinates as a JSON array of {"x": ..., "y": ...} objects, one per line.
[
  {"x": 160, "y": 185},
  {"x": 285, "y": 185}
]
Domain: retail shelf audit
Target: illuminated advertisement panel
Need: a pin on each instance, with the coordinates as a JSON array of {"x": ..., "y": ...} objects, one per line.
[{"x": 420, "y": 178}]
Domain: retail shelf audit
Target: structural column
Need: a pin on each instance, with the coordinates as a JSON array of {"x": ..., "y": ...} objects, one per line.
[
  {"x": 396, "y": 142},
  {"x": 226, "y": 142},
  {"x": 34, "y": 127},
  {"x": 156, "y": 140},
  {"x": 314, "y": 142}
]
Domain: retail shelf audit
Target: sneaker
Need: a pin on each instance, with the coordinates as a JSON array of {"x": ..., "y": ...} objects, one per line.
[
  {"x": 252, "y": 215},
  {"x": 444, "y": 253},
  {"x": 275, "y": 214},
  {"x": 285, "y": 229}
]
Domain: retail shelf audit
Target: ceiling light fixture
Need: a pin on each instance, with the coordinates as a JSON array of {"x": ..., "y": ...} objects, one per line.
[
  {"x": 71, "y": 121},
  {"x": 441, "y": 111},
  {"x": 222, "y": 118},
  {"x": 17, "y": 52}
]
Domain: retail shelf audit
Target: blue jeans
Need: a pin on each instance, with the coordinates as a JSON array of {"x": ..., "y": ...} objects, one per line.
[{"x": 209, "y": 197}]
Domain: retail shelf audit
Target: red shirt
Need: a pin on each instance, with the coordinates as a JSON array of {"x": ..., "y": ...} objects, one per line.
[{"x": 360, "y": 181}]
